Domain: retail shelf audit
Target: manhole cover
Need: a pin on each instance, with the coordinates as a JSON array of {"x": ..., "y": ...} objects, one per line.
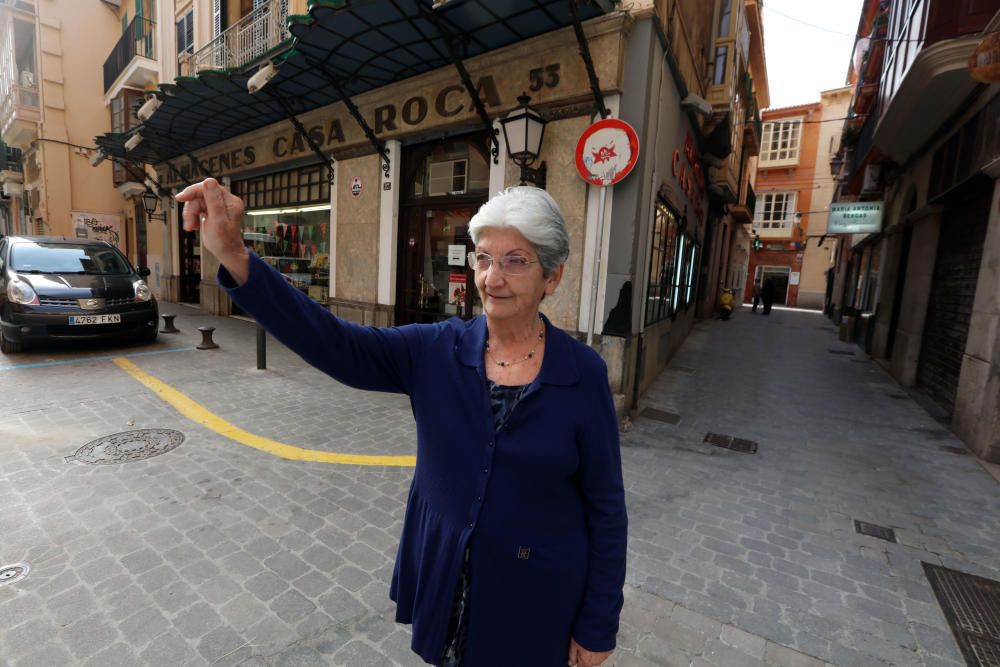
[
  {"x": 972, "y": 606},
  {"x": 128, "y": 446},
  {"x": 11, "y": 573},
  {"x": 660, "y": 415},
  {"x": 873, "y": 530},
  {"x": 729, "y": 442}
]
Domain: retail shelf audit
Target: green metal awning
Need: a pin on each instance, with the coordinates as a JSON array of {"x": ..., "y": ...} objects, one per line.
[{"x": 341, "y": 49}]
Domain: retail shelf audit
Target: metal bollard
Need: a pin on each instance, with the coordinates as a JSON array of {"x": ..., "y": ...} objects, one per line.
[
  {"x": 261, "y": 348},
  {"x": 168, "y": 324},
  {"x": 206, "y": 338}
]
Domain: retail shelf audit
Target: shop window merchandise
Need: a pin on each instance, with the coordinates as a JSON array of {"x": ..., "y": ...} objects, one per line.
[{"x": 287, "y": 224}]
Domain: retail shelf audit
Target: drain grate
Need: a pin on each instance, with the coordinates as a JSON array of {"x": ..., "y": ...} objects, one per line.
[
  {"x": 972, "y": 606},
  {"x": 128, "y": 446},
  {"x": 873, "y": 530},
  {"x": 729, "y": 442},
  {"x": 660, "y": 415},
  {"x": 842, "y": 352},
  {"x": 11, "y": 573}
]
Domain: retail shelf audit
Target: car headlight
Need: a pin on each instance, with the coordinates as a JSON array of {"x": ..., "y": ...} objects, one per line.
[
  {"x": 142, "y": 291},
  {"x": 19, "y": 291}
]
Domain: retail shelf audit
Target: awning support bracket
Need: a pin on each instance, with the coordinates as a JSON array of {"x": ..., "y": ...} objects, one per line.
[
  {"x": 352, "y": 108},
  {"x": 300, "y": 129},
  {"x": 470, "y": 88},
  {"x": 581, "y": 39}
]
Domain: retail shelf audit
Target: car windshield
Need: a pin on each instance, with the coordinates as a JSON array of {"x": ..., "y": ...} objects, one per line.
[{"x": 67, "y": 258}]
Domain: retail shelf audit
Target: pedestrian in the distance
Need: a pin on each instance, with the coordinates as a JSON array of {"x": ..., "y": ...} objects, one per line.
[
  {"x": 514, "y": 541},
  {"x": 756, "y": 295},
  {"x": 767, "y": 295}
]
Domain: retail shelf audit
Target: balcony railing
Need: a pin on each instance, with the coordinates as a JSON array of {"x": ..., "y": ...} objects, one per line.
[
  {"x": 751, "y": 199},
  {"x": 137, "y": 40},
  {"x": 20, "y": 103},
  {"x": 241, "y": 43}
]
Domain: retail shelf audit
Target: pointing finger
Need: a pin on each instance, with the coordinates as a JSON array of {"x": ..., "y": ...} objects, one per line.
[{"x": 189, "y": 193}]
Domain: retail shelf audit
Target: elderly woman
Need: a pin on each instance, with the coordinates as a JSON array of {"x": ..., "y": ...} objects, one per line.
[{"x": 513, "y": 544}]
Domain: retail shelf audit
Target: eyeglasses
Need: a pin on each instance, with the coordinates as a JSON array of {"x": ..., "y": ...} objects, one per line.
[{"x": 514, "y": 265}]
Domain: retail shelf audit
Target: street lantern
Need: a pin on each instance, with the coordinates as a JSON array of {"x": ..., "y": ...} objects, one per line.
[
  {"x": 150, "y": 201},
  {"x": 523, "y": 130}
]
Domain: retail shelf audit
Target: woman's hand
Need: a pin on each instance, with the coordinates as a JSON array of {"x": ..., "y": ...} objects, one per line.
[
  {"x": 219, "y": 215},
  {"x": 581, "y": 657}
]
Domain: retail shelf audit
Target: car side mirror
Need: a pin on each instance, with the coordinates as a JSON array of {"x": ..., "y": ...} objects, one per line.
[{"x": 143, "y": 271}]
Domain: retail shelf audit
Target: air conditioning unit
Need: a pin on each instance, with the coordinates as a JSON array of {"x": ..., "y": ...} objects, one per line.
[
  {"x": 12, "y": 189},
  {"x": 872, "y": 177}
]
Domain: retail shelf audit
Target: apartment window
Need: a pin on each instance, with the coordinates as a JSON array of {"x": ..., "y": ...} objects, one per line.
[
  {"x": 662, "y": 263},
  {"x": 780, "y": 142},
  {"x": 775, "y": 210},
  {"x": 725, "y": 17},
  {"x": 721, "y": 60},
  {"x": 185, "y": 44}
]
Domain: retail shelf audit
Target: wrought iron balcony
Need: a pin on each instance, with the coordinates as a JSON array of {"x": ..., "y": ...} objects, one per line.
[
  {"x": 753, "y": 127},
  {"x": 240, "y": 44},
  {"x": 742, "y": 211},
  {"x": 138, "y": 41}
]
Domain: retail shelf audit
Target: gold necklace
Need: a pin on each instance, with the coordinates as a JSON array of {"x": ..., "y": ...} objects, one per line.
[{"x": 530, "y": 355}]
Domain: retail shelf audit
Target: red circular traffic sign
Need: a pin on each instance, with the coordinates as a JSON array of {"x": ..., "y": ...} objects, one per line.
[{"x": 607, "y": 151}]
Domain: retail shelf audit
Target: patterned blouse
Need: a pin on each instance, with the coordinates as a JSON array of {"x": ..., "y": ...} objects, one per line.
[{"x": 503, "y": 399}]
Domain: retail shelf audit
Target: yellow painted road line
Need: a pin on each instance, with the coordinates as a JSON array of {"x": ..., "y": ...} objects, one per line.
[{"x": 200, "y": 415}]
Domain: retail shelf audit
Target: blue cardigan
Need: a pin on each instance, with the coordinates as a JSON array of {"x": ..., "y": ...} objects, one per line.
[{"x": 540, "y": 504}]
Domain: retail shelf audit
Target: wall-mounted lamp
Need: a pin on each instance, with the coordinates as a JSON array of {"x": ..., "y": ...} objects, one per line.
[
  {"x": 523, "y": 130},
  {"x": 150, "y": 202}
]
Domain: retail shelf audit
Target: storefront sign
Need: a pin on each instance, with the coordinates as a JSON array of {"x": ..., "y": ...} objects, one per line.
[
  {"x": 689, "y": 175},
  {"x": 356, "y": 187},
  {"x": 984, "y": 63},
  {"x": 607, "y": 151},
  {"x": 456, "y": 255},
  {"x": 855, "y": 218},
  {"x": 100, "y": 226}
]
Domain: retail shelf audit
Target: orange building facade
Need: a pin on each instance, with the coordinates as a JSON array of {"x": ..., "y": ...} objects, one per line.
[{"x": 784, "y": 199}]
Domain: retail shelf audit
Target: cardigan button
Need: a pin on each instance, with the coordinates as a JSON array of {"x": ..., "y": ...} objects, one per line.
[
  {"x": 470, "y": 524},
  {"x": 486, "y": 471},
  {"x": 479, "y": 499},
  {"x": 491, "y": 443}
]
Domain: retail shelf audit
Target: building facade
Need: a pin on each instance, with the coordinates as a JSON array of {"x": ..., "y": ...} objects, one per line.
[
  {"x": 918, "y": 288},
  {"x": 360, "y": 173},
  {"x": 784, "y": 191},
  {"x": 50, "y": 109}
]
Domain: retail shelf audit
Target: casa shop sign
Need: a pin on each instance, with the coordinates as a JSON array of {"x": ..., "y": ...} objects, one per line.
[
  {"x": 607, "y": 151},
  {"x": 862, "y": 217},
  {"x": 690, "y": 177}
]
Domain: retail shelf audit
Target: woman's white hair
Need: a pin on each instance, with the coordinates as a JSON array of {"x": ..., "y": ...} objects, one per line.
[{"x": 532, "y": 212}]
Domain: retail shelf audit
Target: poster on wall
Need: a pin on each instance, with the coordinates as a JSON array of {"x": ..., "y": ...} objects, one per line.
[
  {"x": 456, "y": 292},
  {"x": 793, "y": 278},
  {"x": 100, "y": 226}
]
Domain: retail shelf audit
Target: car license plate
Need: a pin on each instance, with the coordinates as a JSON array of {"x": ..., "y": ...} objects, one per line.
[{"x": 95, "y": 319}]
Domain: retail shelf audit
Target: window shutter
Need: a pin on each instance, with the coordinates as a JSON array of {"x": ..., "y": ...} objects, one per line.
[{"x": 217, "y": 9}]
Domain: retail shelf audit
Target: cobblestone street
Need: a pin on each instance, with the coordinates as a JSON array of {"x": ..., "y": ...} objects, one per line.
[{"x": 219, "y": 553}]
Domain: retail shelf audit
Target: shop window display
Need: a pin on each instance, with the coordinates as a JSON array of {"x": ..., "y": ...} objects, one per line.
[{"x": 296, "y": 243}]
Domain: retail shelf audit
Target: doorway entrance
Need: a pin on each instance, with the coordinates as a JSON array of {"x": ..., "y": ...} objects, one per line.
[
  {"x": 778, "y": 275},
  {"x": 446, "y": 183},
  {"x": 189, "y": 246}
]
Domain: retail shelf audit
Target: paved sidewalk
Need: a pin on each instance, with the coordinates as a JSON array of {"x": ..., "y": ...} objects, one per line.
[{"x": 216, "y": 553}]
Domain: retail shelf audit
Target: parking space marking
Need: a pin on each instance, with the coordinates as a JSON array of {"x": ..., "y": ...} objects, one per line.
[
  {"x": 194, "y": 411},
  {"x": 87, "y": 360}
]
